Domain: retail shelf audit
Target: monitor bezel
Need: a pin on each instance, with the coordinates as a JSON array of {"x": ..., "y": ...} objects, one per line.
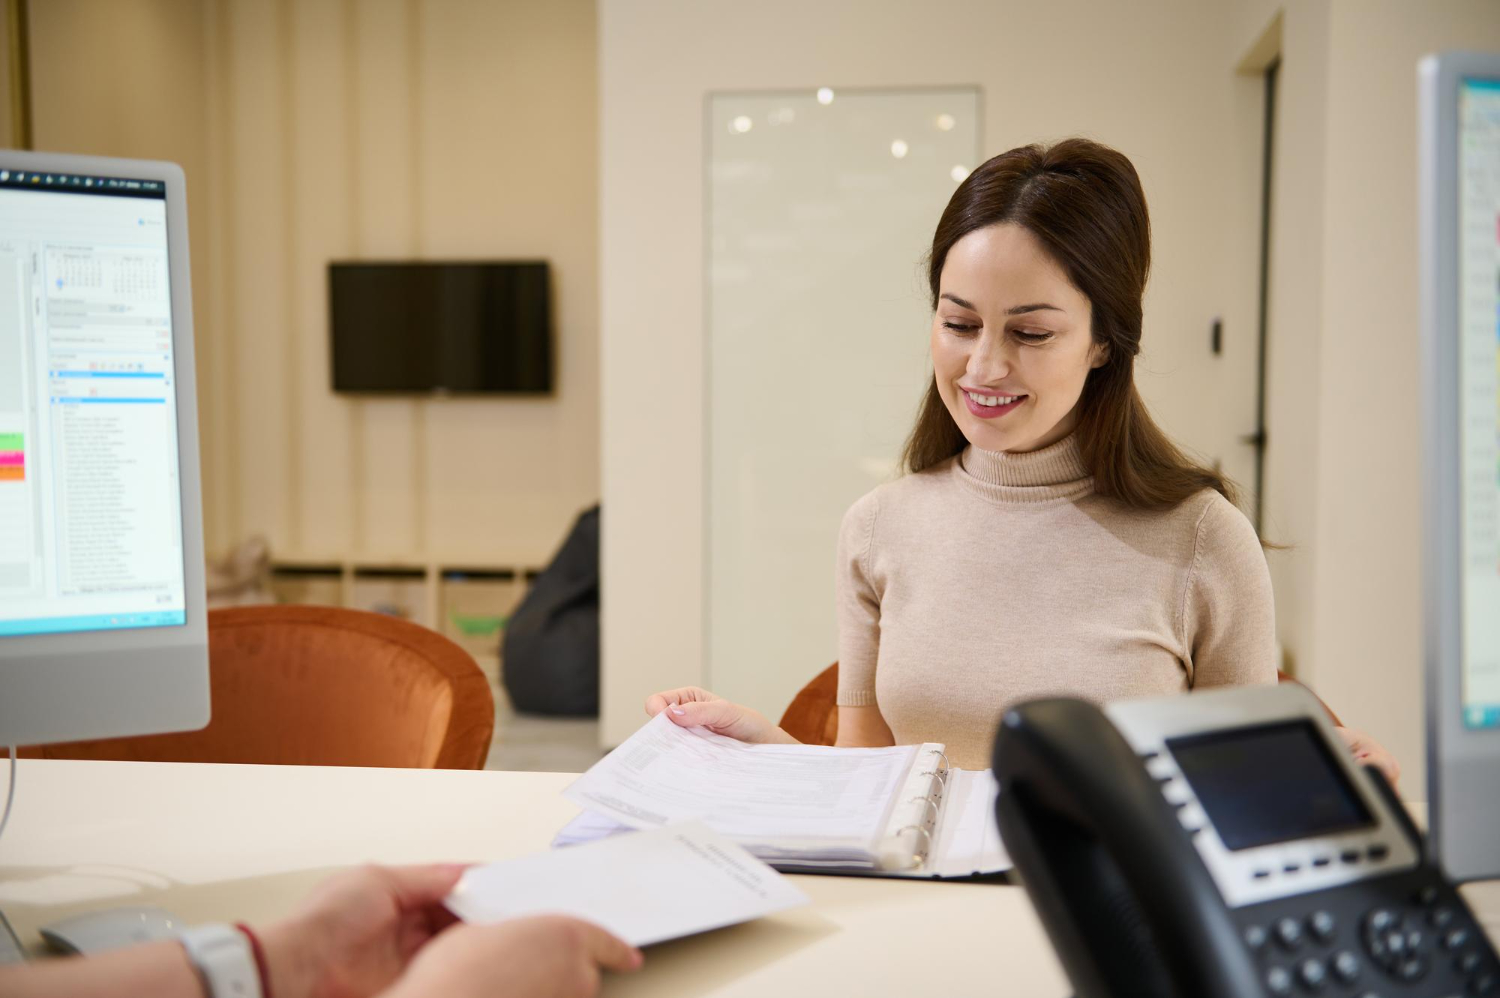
[
  {"x": 130, "y": 681},
  {"x": 1463, "y": 780}
]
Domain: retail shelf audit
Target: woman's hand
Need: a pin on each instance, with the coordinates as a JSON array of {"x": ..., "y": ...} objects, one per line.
[
  {"x": 691, "y": 707},
  {"x": 548, "y": 956},
  {"x": 357, "y": 931},
  {"x": 1369, "y": 752}
]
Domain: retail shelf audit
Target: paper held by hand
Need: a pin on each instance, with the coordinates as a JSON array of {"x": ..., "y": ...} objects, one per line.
[{"x": 621, "y": 885}]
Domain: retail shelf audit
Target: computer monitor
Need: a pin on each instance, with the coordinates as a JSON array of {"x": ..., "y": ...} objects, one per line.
[
  {"x": 102, "y": 629},
  {"x": 1460, "y": 253}
]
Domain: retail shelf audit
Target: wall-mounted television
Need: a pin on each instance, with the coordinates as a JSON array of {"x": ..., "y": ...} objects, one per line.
[{"x": 427, "y": 327}]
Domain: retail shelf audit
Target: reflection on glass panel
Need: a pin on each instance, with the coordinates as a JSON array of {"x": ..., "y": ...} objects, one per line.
[{"x": 821, "y": 207}]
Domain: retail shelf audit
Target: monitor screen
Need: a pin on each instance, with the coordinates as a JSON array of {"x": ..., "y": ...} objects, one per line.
[
  {"x": 91, "y": 522},
  {"x": 1267, "y": 784},
  {"x": 1479, "y": 394},
  {"x": 441, "y": 327}
]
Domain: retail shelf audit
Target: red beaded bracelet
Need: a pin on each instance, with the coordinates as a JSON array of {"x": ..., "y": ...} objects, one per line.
[{"x": 260, "y": 959}]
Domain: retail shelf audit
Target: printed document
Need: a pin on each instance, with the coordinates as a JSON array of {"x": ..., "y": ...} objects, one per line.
[
  {"x": 621, "y": 884},
  {"x": 789, "y": 796}
]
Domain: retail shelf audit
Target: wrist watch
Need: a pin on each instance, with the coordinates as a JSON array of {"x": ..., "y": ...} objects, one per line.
[{"x": 223, "y": 959}]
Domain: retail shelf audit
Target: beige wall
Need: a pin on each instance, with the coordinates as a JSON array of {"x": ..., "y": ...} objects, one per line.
[
  {"x": 1294, "y": 350},
  {"x": 333, "y": 129},
  {"x": 1365, "y": 655},
  {"x": 1344, "y": 458},
  {"x": 1159, "y": 80},
  {"x": 7, "y": 122},
  {"x": 1156, "y": 79},
  {"x": 127, "y": 79}
]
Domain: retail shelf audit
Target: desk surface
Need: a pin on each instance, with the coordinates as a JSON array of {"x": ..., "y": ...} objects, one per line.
[{"x": 215, "y": 843}]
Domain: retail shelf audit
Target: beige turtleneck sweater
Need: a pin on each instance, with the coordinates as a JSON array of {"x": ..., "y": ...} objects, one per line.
[{"x": 994, "y": 578}]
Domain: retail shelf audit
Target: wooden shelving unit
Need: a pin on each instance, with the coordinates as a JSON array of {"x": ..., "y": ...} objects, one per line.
[{"x": 458, "y": 600}]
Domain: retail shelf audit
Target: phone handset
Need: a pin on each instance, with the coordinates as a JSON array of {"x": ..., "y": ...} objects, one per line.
[{"x": 1117, "y": 882}]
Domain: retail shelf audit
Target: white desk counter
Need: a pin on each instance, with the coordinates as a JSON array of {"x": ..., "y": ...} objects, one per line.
[{"x": 225, "y": 843}]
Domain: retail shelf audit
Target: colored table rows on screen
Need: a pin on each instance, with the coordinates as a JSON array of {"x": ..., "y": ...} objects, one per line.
[
  {"x": 12, "y": 441},
  {"x": 12, "y": 473}
]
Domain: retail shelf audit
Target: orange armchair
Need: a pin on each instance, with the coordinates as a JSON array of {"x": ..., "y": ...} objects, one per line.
[
  {"x": 813, "y": 716},
  {"x": 324, "y": 686}
]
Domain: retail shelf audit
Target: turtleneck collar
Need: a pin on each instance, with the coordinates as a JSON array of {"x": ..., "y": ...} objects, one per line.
[{"x": 1052, "y": 473}]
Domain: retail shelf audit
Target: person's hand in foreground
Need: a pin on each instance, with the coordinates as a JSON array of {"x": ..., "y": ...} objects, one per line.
[
  {"x": 382, "y": 930},
  {"x": 356, "y": 932},
  {"x": 549, "y": 956},
  {"x": 692, "y": 707},
  {"x": 372, "y": 931}
]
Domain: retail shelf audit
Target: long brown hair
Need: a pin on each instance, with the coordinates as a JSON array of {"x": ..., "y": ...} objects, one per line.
[{"x": 1084, "y": 202}]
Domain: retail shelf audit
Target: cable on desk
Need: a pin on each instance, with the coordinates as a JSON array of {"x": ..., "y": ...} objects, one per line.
[
  {"x": 10, "y": 798},
  {"x": 10, "y": 794}
]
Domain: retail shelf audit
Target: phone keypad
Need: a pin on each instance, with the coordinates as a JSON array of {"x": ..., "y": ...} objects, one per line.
[{"x": 1427, "y": 946}]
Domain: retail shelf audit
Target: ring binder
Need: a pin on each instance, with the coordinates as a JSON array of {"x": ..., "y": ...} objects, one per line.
[
  {"x": 920, "y": 809},
  {"x": 913, "y": 859},
  {"x": 904, "y": 811},
  {"x": 930, "y": 802},
  {"x": 942, "y": 773}
]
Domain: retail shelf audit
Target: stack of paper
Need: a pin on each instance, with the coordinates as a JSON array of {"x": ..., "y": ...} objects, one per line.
[{"x": 798, "y": 807}]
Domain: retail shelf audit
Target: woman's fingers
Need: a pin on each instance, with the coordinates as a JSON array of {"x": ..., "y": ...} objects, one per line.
[
  {"x": 1370, "y": 752},
  {"x": 713, "y": 714},
  {"x": 658, "y": 702}
]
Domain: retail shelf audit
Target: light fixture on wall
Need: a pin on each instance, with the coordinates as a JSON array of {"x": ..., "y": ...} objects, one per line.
[
  {"x": 741, "y": 124},
  {"x": 945, "y": 122},
  {"x": 825, "y": 95},
  {"x": 958, "y": 173},
  {"x": 899, "y": 149}
]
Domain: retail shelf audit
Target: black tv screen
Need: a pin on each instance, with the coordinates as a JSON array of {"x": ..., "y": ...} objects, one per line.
[{"x": 441, "y": 327}]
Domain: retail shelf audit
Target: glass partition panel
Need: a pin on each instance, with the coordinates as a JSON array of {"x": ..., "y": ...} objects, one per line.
[{"x": 821, "y": 206}]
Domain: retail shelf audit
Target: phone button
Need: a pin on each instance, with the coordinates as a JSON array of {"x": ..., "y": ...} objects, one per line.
[
  {"x": 1176, "y": 792},
  {"x": 1323, "y": 925},
  {"x": 1255, "y": 939},
  {"x": 1346, "y": 966},
  {"x": 1411, "y": 969},
  {"x": 1289, "y": 933},
  {"x": 1191, "y": 817},
  {"x": 1312, "y": 974},
  {"x": 1279, "y": 981}
]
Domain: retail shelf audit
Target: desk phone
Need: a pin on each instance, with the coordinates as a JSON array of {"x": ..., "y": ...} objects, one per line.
[{"x": 1225, "y": 844}]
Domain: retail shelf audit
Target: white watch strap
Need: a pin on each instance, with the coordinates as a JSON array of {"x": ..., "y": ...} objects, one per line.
[{"x": 223, "y": 958}]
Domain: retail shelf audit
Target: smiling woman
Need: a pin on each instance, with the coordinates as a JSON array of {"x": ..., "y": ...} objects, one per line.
[
  {"x": 1048, "y": 539},
  {"x": 1055, "y": 244}
]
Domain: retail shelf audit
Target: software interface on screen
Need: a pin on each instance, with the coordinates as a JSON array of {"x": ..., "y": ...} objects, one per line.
[
  {"x": 1479, "y": 366},
  {"x": 90, "y": 509}
]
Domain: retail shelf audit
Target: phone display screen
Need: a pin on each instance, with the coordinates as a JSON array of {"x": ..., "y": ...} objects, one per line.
[{"x": 1269, "y": 783}]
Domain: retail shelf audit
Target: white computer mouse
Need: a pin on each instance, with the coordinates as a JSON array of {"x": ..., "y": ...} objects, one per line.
[{"x": 97, "y": 931}]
